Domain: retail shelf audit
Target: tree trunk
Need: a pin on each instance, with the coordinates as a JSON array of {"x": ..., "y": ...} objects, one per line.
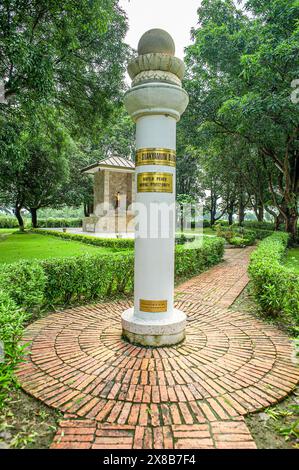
[
  {"x": 260, "y": 213},
  {"x": 230, "y": 218},
  {"x": 88, "y": 208},
  {"x": 241, "y": 215},
  {"x": 291, "y": 225},
  {"x": 33, "y": 212},
  {"x": 19, "y": 217}
]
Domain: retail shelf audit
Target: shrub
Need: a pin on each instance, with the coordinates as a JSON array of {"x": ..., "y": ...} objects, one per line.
[
  {"x": 192, "y": 259},
  {"x": 115, "y": 243},
  {"x": 25, "y": 282},
  {"x": 12, "y": 319},
  {"x": 8, "y": 222},
  {"x": 93, "y": 276},
  {"x": 254, "y": 224},
  {"x": 241, "y": 241},
  {"x": 276, "y": 289},
  {"x": 58, "y": 222},
  {"x": 182, "y": 239},
  {"x": 87, "y": 277}
]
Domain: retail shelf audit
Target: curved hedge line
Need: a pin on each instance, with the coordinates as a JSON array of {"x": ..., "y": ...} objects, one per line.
[
  {"x": 276, "y": 289},
  {"x": 89, "y": 277},
  {"x": 115, "y": 243}
]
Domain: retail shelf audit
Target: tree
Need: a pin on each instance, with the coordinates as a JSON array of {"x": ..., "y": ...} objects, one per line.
[
  {"x": 240, "y": 70},
  {"x": 34, "y": 178},
  {"x": 61, "y": 61}
]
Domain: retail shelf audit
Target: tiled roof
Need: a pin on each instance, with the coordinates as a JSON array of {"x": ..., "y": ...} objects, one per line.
[{"x": 110, "y": 162}]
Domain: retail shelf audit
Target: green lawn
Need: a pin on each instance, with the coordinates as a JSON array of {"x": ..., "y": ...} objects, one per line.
[
  {"x": 292, "y": 259},
  {"x": 15, "y": 246}
]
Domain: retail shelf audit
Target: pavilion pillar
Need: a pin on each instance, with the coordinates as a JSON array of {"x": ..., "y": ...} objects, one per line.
[{"x": 155, "y": 102}]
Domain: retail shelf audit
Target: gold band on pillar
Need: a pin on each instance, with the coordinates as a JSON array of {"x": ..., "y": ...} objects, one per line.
[
  {"x": 155, "y": 156},
  {"x": 154, "y": 182}
]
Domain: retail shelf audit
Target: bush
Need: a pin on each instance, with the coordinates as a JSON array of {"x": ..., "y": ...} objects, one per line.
[
  {"x": 115, "y": 243},
  {"x": 276, "y": 289},
  {"x": 182, "y": 239},
  {"x": 8, "y": 222},
  {"x": 52, "y": 222},
  {"x": 241, "y": 241},
  {"x": 87, "y": 277},
  {"x": 24, "y": 282},
  {"x": 12, "y": 320},
  {"x": 192, "y": 259},
  {"x": 237, "y": 231},
  {"x": 258, "y": 225}
]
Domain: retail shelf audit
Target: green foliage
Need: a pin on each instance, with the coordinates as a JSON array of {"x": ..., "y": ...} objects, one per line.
[
  {"x": 8, "y": 222},
  {"x": 88, "y": 277},
  {"x": 240, "y": 241},
  {"x": 229, "y": 232},
  {"x": 53, "y": 223},
  {"x": 11, "y": 222},
  {"x": 276, "y": 289},
  {"x": 24, "y": 282},
  {"x": 240, "y": 67},
  {"x": 191, "y": 260},
  {"x": 115, "y": 243},
  {"x": 12, "y": 319}
]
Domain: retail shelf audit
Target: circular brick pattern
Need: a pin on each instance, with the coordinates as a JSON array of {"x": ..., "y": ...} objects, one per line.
[
  {"x": 229, "y": 364},
  {"x": 193, "y": 395}
]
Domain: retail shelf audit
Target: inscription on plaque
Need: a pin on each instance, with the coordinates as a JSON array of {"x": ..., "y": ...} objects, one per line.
[
  {"x": 153, "y": 305},
  {"x": 153, "y": 182},
  {"x": 155, "y": 156}
]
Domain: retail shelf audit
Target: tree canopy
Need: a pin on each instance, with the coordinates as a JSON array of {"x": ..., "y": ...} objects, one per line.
[{"x": 239, "y": 73}]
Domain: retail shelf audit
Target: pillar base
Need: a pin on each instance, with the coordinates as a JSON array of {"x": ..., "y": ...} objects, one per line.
[{"x": 162, "y": 332}]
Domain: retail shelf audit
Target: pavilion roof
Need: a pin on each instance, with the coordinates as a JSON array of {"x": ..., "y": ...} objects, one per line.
[{"x": 113, "y": 163}]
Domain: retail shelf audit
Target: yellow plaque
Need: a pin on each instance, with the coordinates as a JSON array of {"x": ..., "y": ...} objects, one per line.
[
  {"x": 153, "y": 182},
  {"x": 155, "y": 156},
  {"x": 153, "y": 305}
]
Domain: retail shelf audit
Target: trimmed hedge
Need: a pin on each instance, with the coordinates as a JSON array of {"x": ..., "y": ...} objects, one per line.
[
  {"x": 12, "y": 320},
  {"x": 191, "y": 259},
  {"x": 245, "y": 232},
  {"x": 115, "y": 243},
  {"x": 276, "y": 289},
  {"x": 55, "y": 222},
  {"x": 8, "y": 222},
  {"x": 11, "y": 222},
  {"x": 25, "y": 282},
  {"x": 88, "y": 277}
]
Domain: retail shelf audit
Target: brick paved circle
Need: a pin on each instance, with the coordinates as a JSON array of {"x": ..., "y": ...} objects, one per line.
[{"x": 230, "y": 364}]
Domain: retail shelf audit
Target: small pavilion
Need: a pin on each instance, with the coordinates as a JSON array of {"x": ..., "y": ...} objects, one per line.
[{"x": 113, "y": 195}]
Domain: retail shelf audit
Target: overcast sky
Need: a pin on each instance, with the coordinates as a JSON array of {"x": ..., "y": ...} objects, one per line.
[{"x": 175, "y": 16}]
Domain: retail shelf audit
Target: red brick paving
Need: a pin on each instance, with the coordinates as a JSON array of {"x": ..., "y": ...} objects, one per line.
[{"x": 193, "y": 395}]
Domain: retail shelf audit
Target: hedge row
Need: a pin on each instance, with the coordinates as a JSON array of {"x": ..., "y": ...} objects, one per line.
[
  {"x": 34, "y": 284},
  {"x": 12, "y": 319},
  {"x": 11, "y": 222},
  {"x": 235, "y": 230},
  {"x": 276, "y": 289},
  {"x": 115, "y": 243}
]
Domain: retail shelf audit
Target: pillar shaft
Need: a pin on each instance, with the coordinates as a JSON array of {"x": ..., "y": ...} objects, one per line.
[{"x": 155, "y": 102}]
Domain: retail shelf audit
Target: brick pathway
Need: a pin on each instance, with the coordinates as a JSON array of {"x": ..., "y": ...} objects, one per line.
[{"x": 194, "y": 395}]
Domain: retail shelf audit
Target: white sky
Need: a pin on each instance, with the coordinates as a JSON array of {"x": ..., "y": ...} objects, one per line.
[{"x": 175, "y": 16}]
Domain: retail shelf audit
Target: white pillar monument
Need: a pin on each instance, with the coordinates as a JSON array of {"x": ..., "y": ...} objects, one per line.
[{"x": 155, "y": 102}]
